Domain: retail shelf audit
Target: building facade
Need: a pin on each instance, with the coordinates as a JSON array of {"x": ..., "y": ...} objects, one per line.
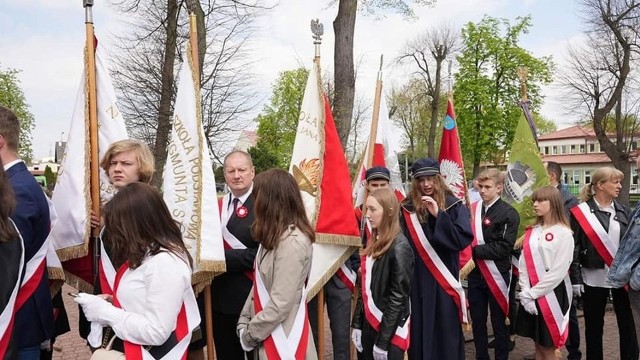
[{"x": 578, "y": 151}]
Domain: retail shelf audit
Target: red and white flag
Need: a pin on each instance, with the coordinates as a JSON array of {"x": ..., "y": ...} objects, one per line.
[
  {"x": 451, "y": 165},
  {"x": 320, "y": 168},
  {"x": 385, "y": 153}
]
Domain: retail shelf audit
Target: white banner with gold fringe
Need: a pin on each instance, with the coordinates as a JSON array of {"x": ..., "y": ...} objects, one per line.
[{"x": 188, "y": 181}]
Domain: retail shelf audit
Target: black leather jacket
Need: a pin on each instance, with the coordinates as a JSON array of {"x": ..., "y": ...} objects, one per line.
[
  {"x": 390, "y": 287},
  {"x": 584, "y": 254}
]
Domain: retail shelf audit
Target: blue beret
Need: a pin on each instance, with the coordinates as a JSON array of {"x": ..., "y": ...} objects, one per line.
[
  {"x": 378, "y": 172},
  {"x": 424, "y": 167}
]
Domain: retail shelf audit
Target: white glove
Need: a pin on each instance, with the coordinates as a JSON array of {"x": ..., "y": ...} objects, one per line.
[
  {"x": 356, "y": 338},
  {"x": 97, "y": 309},
  {"x": 529, "y": 306},
  {"x": 578, "y": 290},
  {"x": 245, "y": 347},
  {"x": 379, "y": 354},
  {"x": 525, "y": 294}
]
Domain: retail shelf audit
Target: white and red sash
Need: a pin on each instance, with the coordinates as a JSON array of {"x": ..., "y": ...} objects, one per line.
[
  {"x": 278, "y": 345},
  {"x": 557, "y": 322},
  {"x": 184, "y": 327},
  {"x": 595, "y": 232},
  {"x": 106, "y": 270},
  {"x": 7, "y": 315},
  {"x": 438, "y": 269},
  {"x": 229, "y": 240},
  {"x": 347, "y": 276},
  {"x": 373, "y": 314},
  {"x": 515, "y": 262},
  {"x": 496, "y": 283},
  {"x": 33, "y": 273}
]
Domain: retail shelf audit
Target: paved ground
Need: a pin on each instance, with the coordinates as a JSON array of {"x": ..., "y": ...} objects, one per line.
[{"x": 71, "y": 347}]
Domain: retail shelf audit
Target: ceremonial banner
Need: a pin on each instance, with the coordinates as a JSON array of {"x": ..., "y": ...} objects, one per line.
[
  {"x": 450, "y": 157},
  {"x": 320, "y": 168},
  {"x": 188, "y": 182},
  {"x": 385, "y": 153},
  {"x": 525, "y": 170},
  {"x": 451, "y": 165},
  {"x": 54, "y": 266},
  {"x": 71, "y": 196}
]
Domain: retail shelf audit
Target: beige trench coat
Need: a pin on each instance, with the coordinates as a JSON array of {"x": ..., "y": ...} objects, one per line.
[{"x": 284, "y": 271}]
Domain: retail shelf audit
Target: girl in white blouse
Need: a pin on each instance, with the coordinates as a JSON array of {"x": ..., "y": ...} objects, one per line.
[
  {"x": 545, "y": 289},
  {"x": 153, "y": 309}
]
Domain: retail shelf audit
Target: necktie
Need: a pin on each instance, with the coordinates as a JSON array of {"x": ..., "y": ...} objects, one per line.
[
  {"x": 235, "y": 204},
  {"x": 483, "y": 211}
]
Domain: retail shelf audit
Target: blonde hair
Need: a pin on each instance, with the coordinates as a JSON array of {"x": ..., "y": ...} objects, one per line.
[
  {"x": 600, "y": 175},
  {"x": 491, "y": 174},
  {"x": 389, "y": 227},
  {"x": 143, "y": 154}
]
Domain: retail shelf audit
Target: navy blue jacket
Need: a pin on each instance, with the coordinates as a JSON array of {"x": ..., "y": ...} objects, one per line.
[{"x": 34, "y": 321}]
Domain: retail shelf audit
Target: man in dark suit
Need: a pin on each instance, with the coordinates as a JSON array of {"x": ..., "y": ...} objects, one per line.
[
  {"x": 34, "y": 320},
  {"x": 496, "y": 227},
  {"x": 229, "y": 291}
]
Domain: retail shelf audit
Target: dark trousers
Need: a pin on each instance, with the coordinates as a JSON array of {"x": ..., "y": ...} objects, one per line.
[
  {"x": 595, "y": 301},
  {"x": 369, "y": 336},
  {"x": 338, "y": 299},
  {"x": 225, "y": 338},
  {"x": 573, "y": 342},
  {"x": 481, "y": 300}
]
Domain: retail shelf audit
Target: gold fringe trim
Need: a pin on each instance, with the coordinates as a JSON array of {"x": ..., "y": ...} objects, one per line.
[
  {"x": 466, "y": 269},
  {"x": 55, "y": 273},
  {"x": 518, "y": 244},
  {"x": 73, "y": 252},
  {"x": 321, "y": 135},
  {"x": 77, "y": 283},
  {"x": 213, "y": 266},
  {"x": 56, "y": 279},
  {"x": 55, "y": 286},
  {"x": 335, "y": 239},
  {"x": 313, "y": 291}
]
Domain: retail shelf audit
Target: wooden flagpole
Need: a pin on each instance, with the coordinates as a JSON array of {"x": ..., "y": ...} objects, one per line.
[
  {"x": 94, "y": 156},
  {"x": 193, "y": 42},
  {"x": 318, "y": 30}
]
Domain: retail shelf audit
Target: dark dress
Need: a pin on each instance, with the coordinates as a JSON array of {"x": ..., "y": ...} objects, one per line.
[
  {"x": 436, "y": 331},
  {"x": 534, "y": 327}
]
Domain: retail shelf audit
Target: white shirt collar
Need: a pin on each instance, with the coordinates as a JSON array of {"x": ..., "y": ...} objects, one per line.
[
  {"x": 8, "y": 165},
  {"x": 486, "y": 207},
  {"x": 244, "y": 196}
]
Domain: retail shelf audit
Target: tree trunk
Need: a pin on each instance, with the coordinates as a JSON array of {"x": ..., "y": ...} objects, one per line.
[
  {"x": 166, "y": 93},
  {"x": 344, "y": 78},
  {"x": 435, "y": 104}
]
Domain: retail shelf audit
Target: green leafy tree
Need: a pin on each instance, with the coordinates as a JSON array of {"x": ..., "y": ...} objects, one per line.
[
  {"x": 543, "y": 125},
  {"x": 487, "y": 87},
  {"x": 278, "y": 122},
  {"x": 263, "y": 159},
  {"x": 12, "y": 97},
  {"x": 51, "y": 177}
]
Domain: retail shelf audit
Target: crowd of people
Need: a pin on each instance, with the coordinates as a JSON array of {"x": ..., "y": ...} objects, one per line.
[{"x": 409, "y": 299}]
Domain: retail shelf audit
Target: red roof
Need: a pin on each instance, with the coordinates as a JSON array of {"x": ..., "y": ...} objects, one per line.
[
  {"x": 576, "y": 131},
  {"x": 566, "y": 159}
]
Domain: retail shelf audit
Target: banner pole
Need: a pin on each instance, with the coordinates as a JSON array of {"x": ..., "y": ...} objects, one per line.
[{"x": 195, "y": 58}]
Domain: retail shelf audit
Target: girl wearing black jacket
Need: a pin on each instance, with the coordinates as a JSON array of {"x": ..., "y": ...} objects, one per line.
[{"x": 381, "y": 320}]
